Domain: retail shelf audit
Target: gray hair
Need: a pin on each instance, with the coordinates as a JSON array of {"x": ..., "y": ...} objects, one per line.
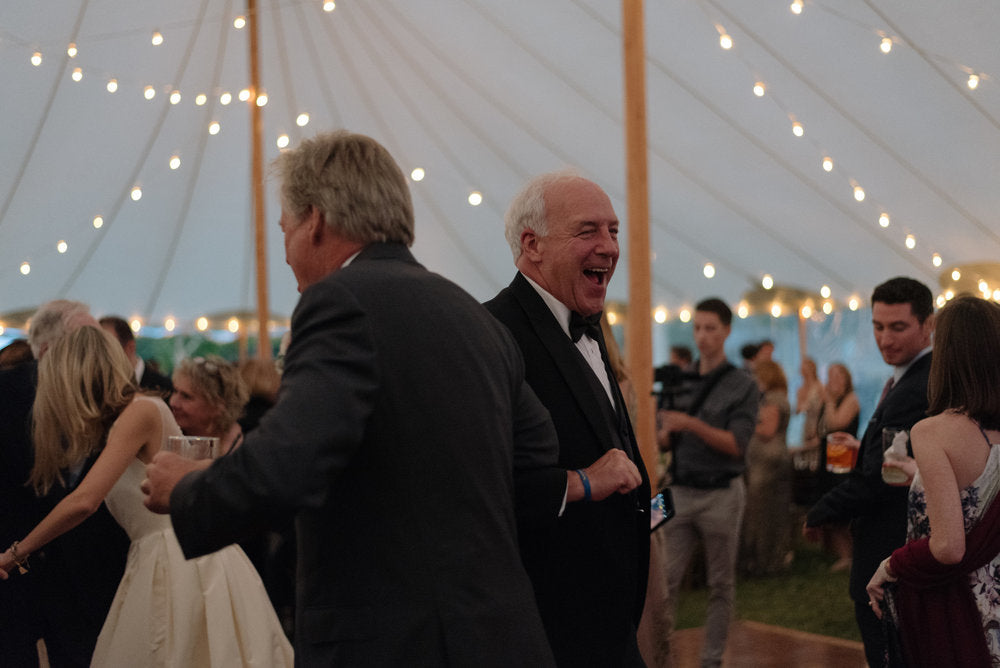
[
  {"x": 53, "y": 320},
  {"x": 354, "y": 183},
  {"x": 527, "y": 209}
]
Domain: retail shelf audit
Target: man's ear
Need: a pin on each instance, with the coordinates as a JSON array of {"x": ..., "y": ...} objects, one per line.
[
  {"x": 317, "y": 225},
  {"x": 529, "y": 245}
]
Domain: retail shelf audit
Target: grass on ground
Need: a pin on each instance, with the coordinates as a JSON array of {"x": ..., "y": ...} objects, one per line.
[{"x": 808, "y": 597}]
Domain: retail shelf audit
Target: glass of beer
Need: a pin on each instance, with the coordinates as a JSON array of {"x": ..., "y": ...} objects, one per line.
[
  {"x": 193, "y": 447},
  {"x": 841, "y": 452}
]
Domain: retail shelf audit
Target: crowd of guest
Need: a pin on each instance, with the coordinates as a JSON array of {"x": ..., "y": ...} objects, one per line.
[{"x": 499, "y": 513}]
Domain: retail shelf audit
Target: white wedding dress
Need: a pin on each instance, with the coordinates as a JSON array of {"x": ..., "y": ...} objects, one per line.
[{"x": 169, "y": 611}]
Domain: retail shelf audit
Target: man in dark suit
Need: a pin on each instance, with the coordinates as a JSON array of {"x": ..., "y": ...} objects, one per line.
[
  {"x": 589, "y": 573},
  {"x": 68, "y": 590},
  {"x": 903, "y": 321},
  {"x": 402, "y": 432},
  {"x": 147, "y": 377}
]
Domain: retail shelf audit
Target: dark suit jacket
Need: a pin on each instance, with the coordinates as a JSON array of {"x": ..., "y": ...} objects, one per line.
[
  {"x": 402, "y": 415},
  {"x": 877, "y": 511},
  {"x": 74, "y": 578},
  {"x": 590, "y": 573},
  {"x": 153, "y": 380}
]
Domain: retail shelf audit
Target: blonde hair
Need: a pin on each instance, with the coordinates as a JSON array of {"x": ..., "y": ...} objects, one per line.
[
  {"x": 261, "y": 376},
  {"x": 85, "y": 381},
  {"x": 219, "y": 383},
  {"x": 771, "y": 375}
]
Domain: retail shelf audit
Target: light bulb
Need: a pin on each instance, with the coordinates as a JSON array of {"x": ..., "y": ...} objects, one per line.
[
  {"x": 759, "y": 89},
  {"x": 77, "y": 74},
  {"x": 112, "y": 85},
  {"x": 685, "y": 315},
  {"x": 936, "y": 260},
  {"x": 175, "y": 162},
  {"x": 475, "y": 198},
  {"x": 883, "y": 220},
  {"x": 239, "y": 22},
  {"x": 25, "y": 268},
  {"x": 911, "y": 241},
  {"x": 825, "y": 292},
  {"x": 169, "y": 324},
  {"x": 806, "y": 311},
  {"x": 797, "y": 129},
  {"x": 71, "y": 50},
  {"x": 135, "y": 325},
  {"x": 62, "y": 246},
  {"x": 157, "y": 38},
  {"x": 827, "y": 164},
  {"x": 743, "y": 310},
  {"x": 854, "y": 303},
  {"x": 225, "y": 99},
  {"x": 302, "y": 120},
  {"x": 828, "y": 307},
  {"x": 955, "y": 275},
  {"x": 201, "y": 99},
  {"x": 282, "y": 141},
  {"x": 233, "y": 325},
  {"x": 418, "y": 174},
  {"x": 973, "y": 81},
  {"x": 767, "y": 281},
  {"x": 708, "y": 270},
  {"x": 796, "y": 7},
  {"x": 149, "y": 92},
  {"x": 262, "y": 99},
  {"x": 214, "y": 127},
  {"x": 660, "y": 315},
  {"x": 886, "y": 45},
  {"x": 98, "y": 222},
  {"x": 244, "y": 95},
  {"x": 36, "y": 58},
  {"x": 136, "y": 193},
  {"x": 329, "y": 6},
  {"x": 201, "y": 324},
  {"x": 775, "y": 310},
  {"x": 175, "y": 97},
  {"x": 725, "y": 41},
  {"x": 859, "y": 193}
]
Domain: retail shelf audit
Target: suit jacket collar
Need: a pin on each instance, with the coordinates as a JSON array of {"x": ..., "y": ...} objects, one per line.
[
  {"x": 567, "y": 358},
  {"x": 385, "y": 251}
]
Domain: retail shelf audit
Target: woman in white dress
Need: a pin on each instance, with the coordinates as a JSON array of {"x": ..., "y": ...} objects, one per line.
[{"x": 210, "y": 611}]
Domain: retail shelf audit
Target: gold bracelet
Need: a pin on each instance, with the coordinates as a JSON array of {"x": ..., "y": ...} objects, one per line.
[{"x": 20, "y": 562}]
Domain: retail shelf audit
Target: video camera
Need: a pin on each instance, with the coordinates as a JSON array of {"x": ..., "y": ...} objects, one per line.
[{"x": 669, "y": 383}]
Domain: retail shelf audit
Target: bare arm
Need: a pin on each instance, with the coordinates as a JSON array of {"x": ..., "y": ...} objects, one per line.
[
  {"x": 129, "y": 435},
  {"x": 768, "y": 419},
  {"x": 944, "y": 503},
  {"x": 838, "y": 417}
]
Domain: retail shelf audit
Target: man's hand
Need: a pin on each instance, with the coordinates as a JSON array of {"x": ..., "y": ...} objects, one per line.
[
  {"x": 162, "y": 474},
  {"x": 613, "y": 472},
  {"x": 667, "y": 422}
]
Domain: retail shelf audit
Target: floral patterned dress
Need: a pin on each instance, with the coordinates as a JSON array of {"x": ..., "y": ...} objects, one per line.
[{"x": 985, "y": 582}]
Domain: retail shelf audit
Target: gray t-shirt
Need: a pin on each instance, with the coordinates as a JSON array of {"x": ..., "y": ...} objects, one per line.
[{"x": 731, "y": 405}]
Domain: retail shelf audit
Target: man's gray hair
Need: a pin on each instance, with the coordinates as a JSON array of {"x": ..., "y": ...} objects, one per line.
[
  {"x": 354, "y": 183},
  {"x": 52, "y": 320},
  {"x": 527, "y": 209}
]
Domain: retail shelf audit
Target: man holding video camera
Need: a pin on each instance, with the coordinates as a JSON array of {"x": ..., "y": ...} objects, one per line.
[{"x": 708, "y": 433}]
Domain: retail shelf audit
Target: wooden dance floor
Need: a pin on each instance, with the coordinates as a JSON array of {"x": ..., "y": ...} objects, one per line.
[{"x": 756, "y": 645}]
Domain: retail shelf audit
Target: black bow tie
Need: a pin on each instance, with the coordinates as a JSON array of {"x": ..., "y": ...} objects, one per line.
[{"x": 580, "y": 325}]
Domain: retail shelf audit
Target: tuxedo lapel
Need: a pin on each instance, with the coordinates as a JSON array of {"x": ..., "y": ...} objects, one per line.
[{"x": 565, "y": 356}]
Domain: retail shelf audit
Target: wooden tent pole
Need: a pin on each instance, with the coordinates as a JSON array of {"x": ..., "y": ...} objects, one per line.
[
  {"x": 638, "y": 333},
  {"x": 257, "y": 188}
]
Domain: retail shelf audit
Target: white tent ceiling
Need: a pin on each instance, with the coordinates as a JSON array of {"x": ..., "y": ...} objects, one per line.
[{"x": 483, "y": 95}]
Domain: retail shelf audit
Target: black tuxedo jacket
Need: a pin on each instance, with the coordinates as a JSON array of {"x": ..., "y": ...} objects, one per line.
[
  {"x": 74, "y": 578},
  {"x": 402, "y": 426},
  {"x": 877, "y": 511},
  {"x": 589, "y": 573}
]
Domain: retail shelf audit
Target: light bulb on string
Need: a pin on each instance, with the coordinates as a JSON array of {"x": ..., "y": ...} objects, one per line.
[
  {"x": 886, "y": 45},
  {"x": 828, "y": 307},
  {"x": 25, "y": 268},
  {"x": 418, "y": 174},
  {"x": 262, "y": 99},
  {"x": 775, "y": 310},
  {"x": 36, "y": 58},
  {"x": 743, "y": 310},
  {"x": 214, "y": 127},
  {"x": 759, "y": 89},
  {"x": 973, "y": 82},
  {"x": 725, "y": 41},
  {"x": 806, "y": 311},
  {"x": 201, "y": 323},
  {"x": 136, "y": 193},
  {"x": 708, "y": 270},
  {"x": 62, "y": 246},
  {"x": 936, "y": 260},
  {"x": 77, "y": 74},
  {"x": 239, "y": 22},
  {"x": 859, "y": 193},
  {"x": 883, "y": 220},
  {"x": 911, "y": 241},
  {"x": 175, "y": 97},
  {"x": 225, "y": 99},
  {"x": 329, "y": 6},
  {"x": 112, "y": 85},
  {"x": 302, "y": 120},
  {"x": 157, "y": 38},
  {"x": 200, "y": 99},
  {"x": 854, "y": 303},
  {"x": 941, "y": 301},
  {"x": 244, "y": 95},
  {"x": 282, "y": 141},
  {"x": 767, "y": 281},
  {"x": 149, "y": 92},
  {"x": 825, "y": 292},
  {"x": 71, "y": 50},
  {"x": 797, "y": 129},
  {"x": 827, "y": 164},
  {"x": 660, "y": 315},
  {"x": 955, "y": 275},
  {"x": 685, "y": 315},
  {"x": 475, "y": 198},
  {"x": 98, "y": 222},
  {"x": 169, "y": 324},
  {"x": 175, "y": 162},
  {"x": 796, "y": 7}
]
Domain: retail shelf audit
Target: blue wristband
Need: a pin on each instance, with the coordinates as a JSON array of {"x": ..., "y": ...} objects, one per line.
[{"x": 586, "y": 484}]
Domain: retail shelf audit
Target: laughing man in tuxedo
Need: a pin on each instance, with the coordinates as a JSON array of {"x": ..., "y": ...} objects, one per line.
[{"x": 589, "y": 573}]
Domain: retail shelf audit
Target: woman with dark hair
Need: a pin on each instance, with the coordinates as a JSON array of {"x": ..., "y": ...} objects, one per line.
[
  {"x": 168, "y": 610},
  {"x": 947, "y": 577}
]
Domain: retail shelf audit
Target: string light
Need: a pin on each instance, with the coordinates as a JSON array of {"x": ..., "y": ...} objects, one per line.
[
  {"x": 214, "y": 127},
  {"x": 806, "y": 311},
  {"x": 98, "y": 222},
  {"x": 936, "y": 260},
  {"x": 233, "y": 325},
  {"x": 282, "y": 141},
  {"x": 743, "y": 310},
  {"x": 239, "y": 22},
  {"x": 136, "y": 193},
  {"x": 827, "y": 164},
  {"x": 329, "y": 6},
  {"x": 77, "y": 74},
  {"x": 612, "y": 317},
  {"x": 759, "y": 89},
  {"x": 25, "y": 268},
  {"x": 796, "y": 7},
  {"x": 911, "y": 241},
  {"x": 883, "y": 220},
  {"x": 825, "y": 292},
  {"x": 948, "y": 294},
  {"x": 36, "y": 58},
  {"x": 797, "y": 129},
  {"x": 112, "y": 85},
  {"x": 169, "y": 324},
  {"x": 201, "y": 324},
  {"x": 175, "y": 97},
  {"x": 71, "y": 50},
  {"x": 244, "y": 95},
  {"x": 475, "y": 198},
  {"x": 201, "y": 99},
  {"x": 973, "y": 81},
  {"x": 62, "y": 246},
  {"x": 828, "y": 307},
  {"x": 262, "y": 99},
  {"x": 135, "y": 325},
  {"x": 660, "y": 315},
  {"x": 983, "y": 287},
  {"x": 859, "y": 193},
  {"x": 157, "y": 38},
  {"x": 418, "y": 174},
  {"x": 685, "y": 315},
  {"x": 149, "y": 92},
  {"x": 996, "y": 295},
  {"x": 886, "y": 45},
  {"x": 955, "y": 275},
  {"x": 302, "y": 120},
  {"x": 941, "y": 301},
  {"x": 775, "y": 310},
  {"x": 175, "y": 162},
  {"x": 767, "y": 281},
  {"x": 225, "y": 99},
  {"x": 725, "y": 41},
  {"x": 853, "y": 303},
  {"x": 708, "y": 270}
]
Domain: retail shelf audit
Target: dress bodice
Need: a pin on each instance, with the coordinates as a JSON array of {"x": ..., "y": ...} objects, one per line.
[{"x": 125, "y": 498}]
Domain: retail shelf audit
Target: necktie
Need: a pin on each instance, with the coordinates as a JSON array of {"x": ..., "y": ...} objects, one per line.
[
  {"x": 885, "y": 390},
  {"x": 579, "y": 325}
]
